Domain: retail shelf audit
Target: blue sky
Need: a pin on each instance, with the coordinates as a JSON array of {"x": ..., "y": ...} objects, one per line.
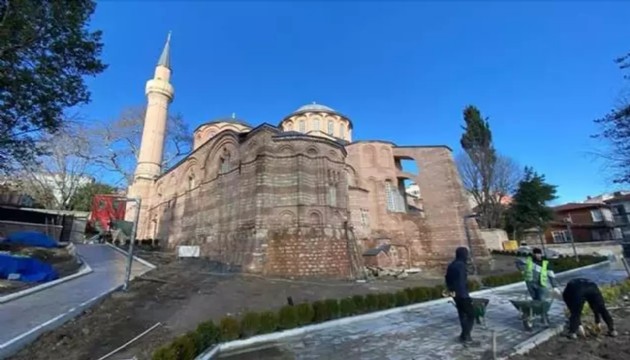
[{"x": 401, "y": 71}]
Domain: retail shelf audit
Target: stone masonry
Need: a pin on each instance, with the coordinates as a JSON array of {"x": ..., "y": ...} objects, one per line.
[{"x": 300, "y": 199}]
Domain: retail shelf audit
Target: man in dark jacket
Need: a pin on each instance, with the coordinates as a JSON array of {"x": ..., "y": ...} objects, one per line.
[
  {"x": 579, "y": 291},
  {"x": 457, "y": 284}
]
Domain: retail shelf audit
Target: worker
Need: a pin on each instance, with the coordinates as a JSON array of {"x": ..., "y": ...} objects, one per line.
[
  {"x": 577, "y": 292},
  {"x": 457, "y": 284},
  {"x": 538, "y": 275}
]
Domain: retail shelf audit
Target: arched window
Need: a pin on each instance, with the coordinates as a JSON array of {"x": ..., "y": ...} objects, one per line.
[
  {"x": 302, "y": 126},
  {"x": 332, "y": 194},
  {"x": 342, "y": 131},
  {"x": 391, "y": 199},
  {"x": 225, "y": 162},
  {"x": 290, "y": 126},
  {"x": 316, "y": 124},
  {"x": 191, "y": 181},
  {"x": 331, "y": 127}
]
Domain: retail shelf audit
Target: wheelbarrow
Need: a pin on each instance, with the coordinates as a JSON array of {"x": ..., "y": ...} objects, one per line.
[
  {"x": 479, "y": 308},
  {"x": 530, "y": 309}
]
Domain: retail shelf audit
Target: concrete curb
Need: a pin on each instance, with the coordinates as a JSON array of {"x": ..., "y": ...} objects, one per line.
[
  {"x": 126, "y": 253},
  {"x": 266, "y": 338},
  {"x": 17, "y": 343},
  {"x": 84, "y": 270},
  {"x": 529, "y": 344}
]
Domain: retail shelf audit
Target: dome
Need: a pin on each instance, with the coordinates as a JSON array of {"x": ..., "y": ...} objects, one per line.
[{"x": 314, "y": 107}]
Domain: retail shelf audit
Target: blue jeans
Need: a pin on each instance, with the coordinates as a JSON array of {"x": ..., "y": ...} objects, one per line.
[{"x": 536, "y": 291}]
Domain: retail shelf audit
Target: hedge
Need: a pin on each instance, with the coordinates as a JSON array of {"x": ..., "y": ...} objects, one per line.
[{"x": 207, "y": 334}]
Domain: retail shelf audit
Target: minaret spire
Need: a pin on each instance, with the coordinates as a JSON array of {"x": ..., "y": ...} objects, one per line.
[{"x": 165, "y": 58}]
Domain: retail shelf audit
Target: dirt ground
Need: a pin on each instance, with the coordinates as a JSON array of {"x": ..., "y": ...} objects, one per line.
[
  {"x": 594, "y": 348},
  {"x": 180, "y": 294},
  {"x": 61, "y": 260}
]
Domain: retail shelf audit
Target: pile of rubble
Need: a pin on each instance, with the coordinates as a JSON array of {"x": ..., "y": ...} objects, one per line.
[{"x": 397, "y": 273}]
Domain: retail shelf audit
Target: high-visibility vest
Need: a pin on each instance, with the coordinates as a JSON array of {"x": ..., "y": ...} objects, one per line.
[{"x": 529, "y": 271}]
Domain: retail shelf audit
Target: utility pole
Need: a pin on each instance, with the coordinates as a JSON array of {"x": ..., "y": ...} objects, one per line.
[
  {"x": 569, "y": 221},
  {"x": 472, "y": 257},
  {"x": 132, "y": 240}
]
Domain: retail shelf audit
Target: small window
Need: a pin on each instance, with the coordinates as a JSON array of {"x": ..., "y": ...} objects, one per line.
[
  {"x": 597, "y": 215},
  {"x": 330, "y": 127},
  {"x": 560, "y": 236},
  {"x": 316, "y": 124},
  {"x": 342, "y": 131},
  {"x": 364, "y": 217},
  {"x": 389, "y": 193},
  {"x": 302, "y": 126},
  {"x": 290, "y": 126},
  {"x": 332, "y": 195}
]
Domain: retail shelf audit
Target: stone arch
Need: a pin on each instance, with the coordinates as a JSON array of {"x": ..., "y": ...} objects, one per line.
[
  {"x": 312, "y": 151},
  {"x": 286, "y": 218},
  {"x": 315, "y": 218},
  {"x": 286, "y": 150},
  {"x": 189, "y": 169},
  {"x": 159, "y": 189},
  {"x": 333, "y": 155},
  {"x": 386, "y": 157},
  {"x": 288, "y": 125},
  {"x": 228, "y": 143},
  {"x": 370, "y": 154}
]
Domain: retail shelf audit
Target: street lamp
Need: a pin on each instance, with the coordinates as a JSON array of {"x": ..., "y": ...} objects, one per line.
[{"x": 568, "y": 222}]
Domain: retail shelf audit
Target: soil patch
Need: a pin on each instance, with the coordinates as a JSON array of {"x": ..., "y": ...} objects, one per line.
[
  {"x": 592, "y": 348},
  {"x": 61, "y": 259},
  {"x": 182, "y": 293}
]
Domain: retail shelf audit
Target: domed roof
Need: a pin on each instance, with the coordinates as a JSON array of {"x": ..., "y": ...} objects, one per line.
[{"x": 314, "y": 107}]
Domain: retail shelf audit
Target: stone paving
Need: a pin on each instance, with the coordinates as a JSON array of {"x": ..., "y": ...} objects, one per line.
[
  {"x": 19, "y": 316},
  {"x": 426, "y": 333}
]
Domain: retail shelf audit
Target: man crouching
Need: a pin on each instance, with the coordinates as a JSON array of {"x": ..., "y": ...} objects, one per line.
[{"x": 577, "y": 292}]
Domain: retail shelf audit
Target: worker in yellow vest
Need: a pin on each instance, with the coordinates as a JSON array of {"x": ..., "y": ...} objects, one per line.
[{"x": 538, "y": 275}]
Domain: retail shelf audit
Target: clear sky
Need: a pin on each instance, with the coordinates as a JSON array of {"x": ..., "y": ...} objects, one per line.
[{"x": 401, "y": 71}]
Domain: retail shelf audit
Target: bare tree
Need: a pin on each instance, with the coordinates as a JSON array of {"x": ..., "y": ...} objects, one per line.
[
  {"x": 119, "y": 143},
  {"x": 54, "y": 177},
  {"x": 503, "y": 181}
]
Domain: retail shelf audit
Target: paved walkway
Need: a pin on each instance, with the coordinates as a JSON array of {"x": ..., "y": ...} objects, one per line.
[
  {"x": 427, "y": 333},
  {"x": 50, "y": 306}
]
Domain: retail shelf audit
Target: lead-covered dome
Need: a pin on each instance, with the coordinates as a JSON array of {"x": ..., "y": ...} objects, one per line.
[{"x": 320, "y": 120}]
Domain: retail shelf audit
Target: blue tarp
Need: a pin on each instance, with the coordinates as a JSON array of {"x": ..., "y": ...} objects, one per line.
[
  {"x": 30, "y": 238},
  {"x": 30, "y": 270}
]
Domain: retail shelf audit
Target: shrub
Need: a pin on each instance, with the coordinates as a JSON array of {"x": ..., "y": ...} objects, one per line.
[
  {"x": 184, "y": 348},
  {"x": 268, "y": 322},
  {"x": 305, "y": 313},
  {"x": 347, "y": 307},
  {"x": 208, "y": 334},
  {"x": 229, "y": 329},
  {"x": 320, "y": 311},
  {"x": 164, "y": 353},
  {"x": 402, "y": 298},
  {"x": 287, "y": 317},
  {"x": 250, "y": 324},
  {"x": 410, "y": 295},
  {"x": 333, "y": 308},
  {"x": 371, "y": 302},
  {"x": 359, "y": 304},
  {"x": 421, "y": 294},
  {"x": 383, "y": 301}
]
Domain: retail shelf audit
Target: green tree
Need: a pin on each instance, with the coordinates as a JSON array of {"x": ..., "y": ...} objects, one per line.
[
  {"x": 46, "y": 49},
  {"x": 82, "y": 198},
  {"x": 529, "y": 206},
  {"x": 615, "y": 131},
  {"x": 486, "y": 176}
]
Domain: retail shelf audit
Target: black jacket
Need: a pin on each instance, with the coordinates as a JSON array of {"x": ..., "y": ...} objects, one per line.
[{"x": 457, "y": 274}]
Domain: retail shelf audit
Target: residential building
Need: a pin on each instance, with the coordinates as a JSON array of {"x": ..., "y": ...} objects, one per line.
[
  {"x": 620, "y": 205},
  {"x": 587, "y": 221}
]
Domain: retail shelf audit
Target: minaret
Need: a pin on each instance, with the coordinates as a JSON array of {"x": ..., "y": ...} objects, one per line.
[{"x": 159, "y": 93}]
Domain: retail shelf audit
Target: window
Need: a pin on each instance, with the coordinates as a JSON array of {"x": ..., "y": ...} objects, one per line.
[
  {"x": 330, "y": 127},
  {"x": 607, "y": 215},
  {"x": 389, "y": 193},
  {"x": 191, "y": 181},
  {"x": 225, "y": 164},
  {"x": 332, "y": 195},
  {"x": 617, "y": 234},
  {"x": 560, "y": 236},
  {"x": 302, "y": 126},
  {"x": 364, "y": 217},
  {"x": 316, "y": 124},
  {"x": 290, "y": 126},
  {"x": 597, "y": 215},
  {"x": 595, "y": 234},
  {"x": 342, "y": 131}
]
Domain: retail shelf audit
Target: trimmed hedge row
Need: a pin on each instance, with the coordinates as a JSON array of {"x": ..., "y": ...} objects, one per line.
[{"x": 208, "y": 334}]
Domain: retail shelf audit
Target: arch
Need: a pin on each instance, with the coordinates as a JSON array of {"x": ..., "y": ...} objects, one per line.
[
  {"x": 286, "y": 218},
  {"x": 315, "y": 218},
  {"x": 315, "y": 123},
  {"x": 331, "y": 127},
  {"x": 286, "y": 150},
  {"x": 288, "y": 125},
  {"x": 342, "y": 130},
  {"x": 386, "y": 157},
  {"x": 351, "y": 176},
  {"x": 370, "y": 154},
  {"x": 312, "y": 151},
  {"x": 333, "y": 155},
  {"x": 302, "y": 125},
  {"x": 211, "y": 162}
]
